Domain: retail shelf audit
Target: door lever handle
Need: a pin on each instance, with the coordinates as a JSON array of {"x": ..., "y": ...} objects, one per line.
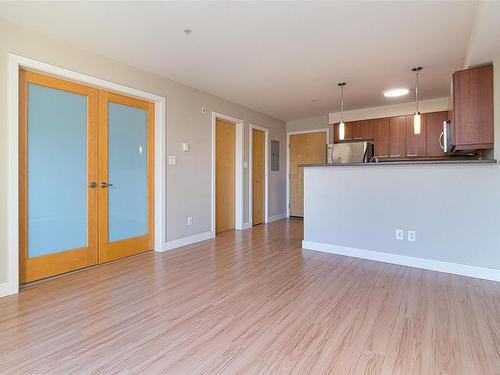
[
  {"x": 105, "y": 185},
  {"x": 93, "y": 185}
]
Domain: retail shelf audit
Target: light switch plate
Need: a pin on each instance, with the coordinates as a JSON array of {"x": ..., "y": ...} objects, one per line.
[
  {"x": 172, "y": 159},
  {"x": 412, "y": 235},
  {"x": 245, "y": 164},
  {"x": 185, "y": 147}
]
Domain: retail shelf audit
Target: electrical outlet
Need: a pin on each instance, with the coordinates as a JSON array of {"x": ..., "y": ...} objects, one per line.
[
  {"x": 203, "y": 109},
  {"x": 190, "y": 220},
  {"x": 399, "y": 234},
  {"x": 412, "y": 235}
]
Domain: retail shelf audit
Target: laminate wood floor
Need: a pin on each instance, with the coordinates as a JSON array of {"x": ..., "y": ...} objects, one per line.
[{"x": 252, "y": 302}]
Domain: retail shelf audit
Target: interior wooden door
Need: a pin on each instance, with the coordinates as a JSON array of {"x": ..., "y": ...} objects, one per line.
[
  {"x": 258, "y": 176},
  {"x": 304, "y": 148},
  {"x": 126, "y": 176},
  {"x": 57, "y": 176},
  {"x": 225, "y": 176}
]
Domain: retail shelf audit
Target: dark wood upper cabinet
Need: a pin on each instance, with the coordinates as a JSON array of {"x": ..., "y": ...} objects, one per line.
[
  {"x": 416, "y": 144},
  {"x": 364, "y": 130},
  {"x": 380, "y": 129},
  {"x": 434, "y": 122},
  {"x": 397, "y": 137},
  {"x": 350, "y": 129},
  {"x": 355, "y": 131},
  {"x": 472, "y": 115}
]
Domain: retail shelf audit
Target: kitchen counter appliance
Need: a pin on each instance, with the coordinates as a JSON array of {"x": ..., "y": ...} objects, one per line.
[{"x": 351, "y": 152}]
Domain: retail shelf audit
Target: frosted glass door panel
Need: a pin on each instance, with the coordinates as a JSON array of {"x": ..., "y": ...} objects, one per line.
[
  {"x": 127, "y": 172},
  {"x": 57, "y": 171}
]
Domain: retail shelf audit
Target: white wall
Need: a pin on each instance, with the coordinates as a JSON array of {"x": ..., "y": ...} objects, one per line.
[{"x": 188, "y": 187}]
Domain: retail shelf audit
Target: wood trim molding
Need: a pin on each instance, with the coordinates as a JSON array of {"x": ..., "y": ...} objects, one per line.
[
  {"x": 184, "y": 241},
  {"x": 277, "y": 217}
]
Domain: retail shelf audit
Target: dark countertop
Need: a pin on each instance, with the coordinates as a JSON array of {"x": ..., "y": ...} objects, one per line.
[{"x": 403, "y": 162}]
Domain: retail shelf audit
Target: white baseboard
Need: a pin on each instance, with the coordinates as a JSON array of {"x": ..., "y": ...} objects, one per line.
[
  {"x": 404, "y": 260},
  {"x": 174, "y": 244},
  {"x": 276, "y": 217},
  {"x": 247, "y": 226},
  {"x": 6, "y": 289}
]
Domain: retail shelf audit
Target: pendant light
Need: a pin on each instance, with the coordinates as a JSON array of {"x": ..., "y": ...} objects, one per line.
[
  {"x": 341, "y": 124},
  {"x": 416, "y": 118}
]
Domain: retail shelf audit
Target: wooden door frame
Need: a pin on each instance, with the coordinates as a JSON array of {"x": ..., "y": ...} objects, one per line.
[
  {"x": 266, "y": 173},
  {"x": 239, "y": 201},
  {"x": 15, "y": 64},
  {"x": 288, "y": 134}
]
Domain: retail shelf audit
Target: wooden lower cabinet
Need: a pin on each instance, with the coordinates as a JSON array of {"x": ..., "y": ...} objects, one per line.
[
  {"x": 381, "y": 137},
  {"x": 397, "y": 137},
  {"x": 434, "y": 123},
  {"x": 416, "y": 144}
]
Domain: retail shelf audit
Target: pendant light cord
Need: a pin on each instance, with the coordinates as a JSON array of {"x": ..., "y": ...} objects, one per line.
[
  {"x": 341, "y": 84},
  {"x": 342, "y": 103},
  {"x": 416, "y": 90},
  {"x": 416, "y": 70}
]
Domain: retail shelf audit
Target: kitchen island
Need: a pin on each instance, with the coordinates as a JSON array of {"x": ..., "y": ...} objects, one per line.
[
  {"x": 355, "y": 209},
  {"x": 404, "y": 162}
]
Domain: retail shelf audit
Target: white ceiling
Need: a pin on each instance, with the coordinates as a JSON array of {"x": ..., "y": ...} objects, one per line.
[{"x": 273, "y": 57}]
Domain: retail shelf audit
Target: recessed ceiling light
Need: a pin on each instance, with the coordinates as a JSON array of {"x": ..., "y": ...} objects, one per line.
[
  {"x": 392, "y": 93},
  {"x": 188, "y": 31}
]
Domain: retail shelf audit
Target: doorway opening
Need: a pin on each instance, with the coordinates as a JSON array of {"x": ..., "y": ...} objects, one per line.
[
  {"x": 227, "y": 173},
  {"x": 16, "y": 65},
  {"x": 308, "y": 146},
  {"x": 86, "y": 176},
  {"x": 258, "y": 175}
]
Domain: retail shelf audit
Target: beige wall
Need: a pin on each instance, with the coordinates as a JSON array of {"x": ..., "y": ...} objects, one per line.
[
  {"x": 309, "y": 123},
  {"x": 188, "y": 186},
  {"x": 496, "y": 106}
]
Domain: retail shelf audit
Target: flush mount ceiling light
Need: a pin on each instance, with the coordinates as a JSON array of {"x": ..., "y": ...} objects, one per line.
[
  {"x": 341, "y": 124},
  {"x": 393, "y": 93},
  {"x": 416, "y": 117}
]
